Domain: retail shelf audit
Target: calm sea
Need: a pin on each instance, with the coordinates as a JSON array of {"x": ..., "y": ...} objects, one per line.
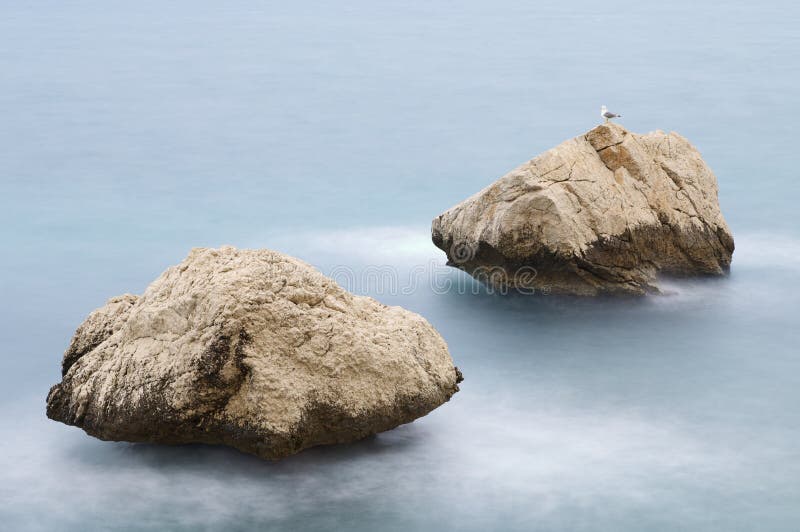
[{"x": 131, "y": 132}]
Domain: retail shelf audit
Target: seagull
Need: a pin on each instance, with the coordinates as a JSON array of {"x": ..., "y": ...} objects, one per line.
[{"x": 608, "y": 115}]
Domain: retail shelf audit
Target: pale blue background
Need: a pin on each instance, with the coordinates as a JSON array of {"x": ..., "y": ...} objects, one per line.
[{"x": 133, "y": 131}]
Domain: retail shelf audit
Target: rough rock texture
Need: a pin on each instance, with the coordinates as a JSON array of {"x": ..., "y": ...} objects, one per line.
[
  {"x": 604, "y": 212},
  {"x": 252, "y": 349}
]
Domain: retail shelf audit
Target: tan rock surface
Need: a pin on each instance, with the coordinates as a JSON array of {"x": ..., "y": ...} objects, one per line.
[
  {"x": 605, "y": 212},
  {"x": 252, "y": 349}
]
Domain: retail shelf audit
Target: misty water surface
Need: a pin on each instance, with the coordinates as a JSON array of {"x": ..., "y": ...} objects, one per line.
[{"x": 132, "y": 132}]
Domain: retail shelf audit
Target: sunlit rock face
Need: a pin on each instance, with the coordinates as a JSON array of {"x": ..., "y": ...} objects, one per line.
[
  {"x": 252, "y": 349},
  {"x": 605, "y": 212}
]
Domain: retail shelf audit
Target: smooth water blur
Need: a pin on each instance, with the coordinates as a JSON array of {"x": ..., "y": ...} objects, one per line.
[{"x": 335, "y": 131}]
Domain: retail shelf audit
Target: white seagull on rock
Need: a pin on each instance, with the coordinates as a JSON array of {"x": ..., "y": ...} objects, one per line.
[{"x": 608, "y": 115}]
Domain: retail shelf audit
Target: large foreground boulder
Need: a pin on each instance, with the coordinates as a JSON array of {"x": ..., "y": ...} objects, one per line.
[
  {"x": 252, "y": 349},
  {"x": 605, "y": 212}
]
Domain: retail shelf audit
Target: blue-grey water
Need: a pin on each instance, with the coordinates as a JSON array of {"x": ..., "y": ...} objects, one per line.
[{"x": 131, "y": 132}]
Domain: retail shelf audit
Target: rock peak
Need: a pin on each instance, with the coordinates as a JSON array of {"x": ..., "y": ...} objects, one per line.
[{"x": 605, "y": 135}]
